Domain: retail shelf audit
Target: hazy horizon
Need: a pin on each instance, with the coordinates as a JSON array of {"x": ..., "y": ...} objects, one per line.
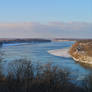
[
  {"x": 50, "y": 30},
  {"x": 46, "y": 19}
]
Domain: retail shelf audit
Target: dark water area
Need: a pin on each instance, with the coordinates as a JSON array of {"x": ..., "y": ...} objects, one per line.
[{"x": 38, "y": 53}]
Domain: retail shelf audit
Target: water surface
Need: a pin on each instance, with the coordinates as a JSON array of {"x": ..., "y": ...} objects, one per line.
[{"x": 39, "y": 53}]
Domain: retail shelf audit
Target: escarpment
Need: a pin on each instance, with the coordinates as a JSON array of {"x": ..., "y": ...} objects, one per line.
[{"x": 81, "y": 51}]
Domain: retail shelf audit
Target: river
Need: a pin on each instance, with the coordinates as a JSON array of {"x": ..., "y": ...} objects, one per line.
[{"x": 38, "y": 52}]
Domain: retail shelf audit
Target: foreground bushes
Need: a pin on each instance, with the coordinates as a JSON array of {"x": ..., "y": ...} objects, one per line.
[{"x": 23, "y": 76}]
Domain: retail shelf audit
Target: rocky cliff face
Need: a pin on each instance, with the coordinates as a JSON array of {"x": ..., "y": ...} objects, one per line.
[{"x": 81, "y": 51}]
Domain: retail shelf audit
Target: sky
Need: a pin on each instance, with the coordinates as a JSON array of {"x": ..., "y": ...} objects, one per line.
[{"x": 45, "y": 18}]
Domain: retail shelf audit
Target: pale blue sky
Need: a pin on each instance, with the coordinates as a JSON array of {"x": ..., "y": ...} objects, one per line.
[
  {"x": 45, "y": 10},
  {"x": 45, "y": 18}
]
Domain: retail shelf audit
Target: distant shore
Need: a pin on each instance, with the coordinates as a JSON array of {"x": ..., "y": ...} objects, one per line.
[{"x": 28, "y": 40}]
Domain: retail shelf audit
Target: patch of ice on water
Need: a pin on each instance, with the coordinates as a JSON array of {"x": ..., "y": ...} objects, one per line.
[{"x": 60, "y": 52}]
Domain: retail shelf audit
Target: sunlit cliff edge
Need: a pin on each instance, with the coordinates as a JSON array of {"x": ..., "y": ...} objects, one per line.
[{"x": 81, "y": 51}]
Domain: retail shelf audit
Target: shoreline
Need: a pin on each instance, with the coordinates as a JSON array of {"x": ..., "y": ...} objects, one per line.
[
  {"x": 82, "y": 61},
  {"x": 65, "y": 53},
  {"x": 81, "y": 51}
]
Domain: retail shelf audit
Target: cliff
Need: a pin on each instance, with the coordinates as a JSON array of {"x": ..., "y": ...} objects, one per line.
[{"x": 81, "y": 51}]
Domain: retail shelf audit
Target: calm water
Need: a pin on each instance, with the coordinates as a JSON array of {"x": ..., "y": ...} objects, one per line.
[{"x": 39, "y": 53}]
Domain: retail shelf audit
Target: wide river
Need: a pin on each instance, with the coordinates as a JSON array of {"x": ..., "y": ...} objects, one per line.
[{"x": 38, "y": 52}]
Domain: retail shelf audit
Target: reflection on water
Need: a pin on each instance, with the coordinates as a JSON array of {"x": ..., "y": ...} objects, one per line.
[
  {"x": 39, "y": 53},
  {"x": 86, "y": 66}
]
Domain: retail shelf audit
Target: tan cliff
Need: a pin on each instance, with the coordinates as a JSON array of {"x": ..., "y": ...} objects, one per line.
[{"x": 81, "y": 51}]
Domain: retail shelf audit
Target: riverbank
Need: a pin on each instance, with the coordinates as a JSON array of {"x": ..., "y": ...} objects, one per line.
[
  {"x": 81, "y": 51},
  {"x": 23, "y": 40}
]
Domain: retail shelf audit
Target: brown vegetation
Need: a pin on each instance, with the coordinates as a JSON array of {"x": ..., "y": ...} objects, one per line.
[
  {"x": 23, "y": 76},
  {"x": 83, "y": 46}
]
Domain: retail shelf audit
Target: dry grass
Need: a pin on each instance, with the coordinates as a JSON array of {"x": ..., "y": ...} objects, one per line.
[{"x": 23, "y": 76}]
